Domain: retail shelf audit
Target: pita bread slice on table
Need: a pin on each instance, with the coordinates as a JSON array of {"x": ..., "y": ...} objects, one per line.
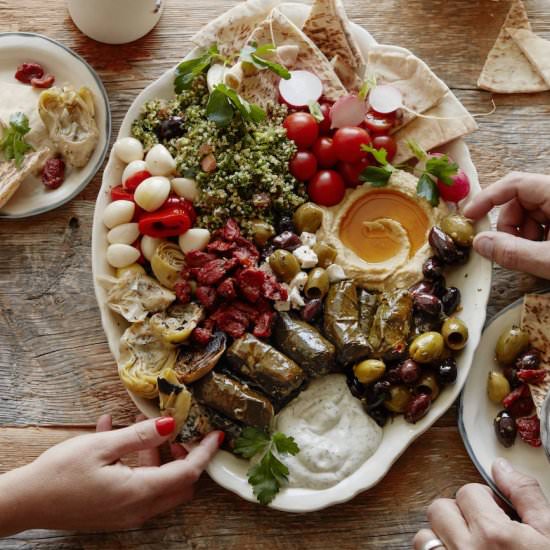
[
  {"x": 277, "y": 29},
  {"x": 535, "y": 320},
  {"x": 329, "y": 28},
  {"x": 231, "y": 29},
  {"x": 507, "y": 70},
  {"x": 535, "y": 48},
  {"x": 432, "y": 132}
]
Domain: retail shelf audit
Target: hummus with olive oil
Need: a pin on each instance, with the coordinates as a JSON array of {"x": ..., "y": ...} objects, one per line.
[{"x": 381, "y": 234}]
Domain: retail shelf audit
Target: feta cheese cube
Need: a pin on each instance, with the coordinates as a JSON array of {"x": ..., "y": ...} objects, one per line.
[{"x": 305, "y": 255}]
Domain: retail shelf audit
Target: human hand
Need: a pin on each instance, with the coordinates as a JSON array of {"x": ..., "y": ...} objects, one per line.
[
  {"x": 81, "y": 483},
  {"x": 520, "y": 242},
  {"x": 475, "y": 520}
]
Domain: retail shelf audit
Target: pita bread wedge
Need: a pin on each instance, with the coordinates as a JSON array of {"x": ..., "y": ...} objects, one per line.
[
  {"x": 328, "y": 27},
  {"x": 431, "y": 132},
  {"x": 261, "y": 88},
  {"x": 535, "y": 48},
  {"x": 535, "y": 320},
  {"x": 231, "y": 29},
  {"x": 507, "y": 70}
]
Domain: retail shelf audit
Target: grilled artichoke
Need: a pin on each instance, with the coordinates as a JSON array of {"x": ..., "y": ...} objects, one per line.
[
  {"x": 174, "y": 398},
  {"x": 195, "y": 362},
  {"x": 176, "y": 324},
  {"x": 167, "y": 263}
]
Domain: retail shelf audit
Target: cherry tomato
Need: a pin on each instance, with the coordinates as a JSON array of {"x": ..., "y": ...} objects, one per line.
[
  {"x": 351, "y": 171},
  {"x": 302, "y": 129},
  {"x": 133, "y": 181},
  {"x": 325, "y": 152},
  {"x": 303, "y": 165},
  {"x": 347, "y": 143},
  {"x": 387, "y": 143},
  {"x": 326, "y": 188},
  {"x": 377, "y": 123},
  {"x": 324, "y": 125}
]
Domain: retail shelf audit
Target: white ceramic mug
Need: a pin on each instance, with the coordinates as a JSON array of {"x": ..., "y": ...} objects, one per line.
[{"x": 115, "y": 21}]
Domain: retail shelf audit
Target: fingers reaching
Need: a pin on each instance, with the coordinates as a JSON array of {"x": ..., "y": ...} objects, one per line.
[
  {"x": 148, "y": 457},
  {"x": 104, "y": 423},
  {"x": 422, "y": 537},
  {"x": 447, "y": 521},
  {"x": 178, "y": 451},
  {"x": 478, "y": 506}
]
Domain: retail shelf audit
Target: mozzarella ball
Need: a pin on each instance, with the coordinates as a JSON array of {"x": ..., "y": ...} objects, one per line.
[
  {"x": 148, "y": 246},
  {"x": 122, "y": 255},
  {"x": 151, "y": 193},
  {"x": 128, "y": 149},
  {"x": 132, "y": 169},
  {"x": 118, "y": 212},
  {"x": 186, "y": 188},
  {"x": 125, "y": 233},
  {"x": 159, "y": 161},
  {"x": 195, "y": 238}
]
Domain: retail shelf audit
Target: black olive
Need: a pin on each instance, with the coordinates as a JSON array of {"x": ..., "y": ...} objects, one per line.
[
  {"x": 423, "y": 287},
  {"x": 529, "y": 359},
  {"x": 266, "y": 251},
  {"x": 433, "y": 268},
  {"x": 511, "y": 374},
  {"x": 444, "y": 247},
  {"x": 439, "y": 287},
  {"x": 426, "y": 323},
  {"x": 170, "y": 128},
  {"x": 447, "y": 372},
  {"x": 287, "y": 241},
  {"x": 451, "y": 300},
  {"x": 463, "y": 255},
  {"x": 409, "y": 371},
  {"x": 393, "y": 375},
  {"x": 286, "y": 224},
  {"x": 377, "y": 393},
  {"x": 312, "y": 310},
  {"x": 379, "y": 415},
  {"x": 355, "y": 387},
  {"x": 505, "y": 428},
  {"x": 428, "y": 304}
]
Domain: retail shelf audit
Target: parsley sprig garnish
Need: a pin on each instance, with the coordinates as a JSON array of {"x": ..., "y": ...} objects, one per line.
[
  {"x": 224, "y": 102},
  {"x": 268, "y": 474},
  {"x": 256, "y": 55},
  {"x": 377, "y": 176},
  {"x": 186, "y": 71},
  {"x": 13, "y": 142}
]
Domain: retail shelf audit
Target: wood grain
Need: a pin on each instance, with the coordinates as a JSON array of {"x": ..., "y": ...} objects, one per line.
[{"x": 56, "y": 371}]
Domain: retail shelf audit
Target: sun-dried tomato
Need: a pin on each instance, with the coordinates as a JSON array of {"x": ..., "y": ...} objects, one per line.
[
  {"x": 227, "y": 289},
  {"x": 250, "y": 281},
  {"x": 521, "y": 391},
  {"x": 529, "y": 430},
  {"x": 532, "y": 376},
  {"x": 212, "y": 272},
  {"x": 231, "y": 230},
  {"x": 206, "y": 295},
  {"x": 197, "y": 258},
  {"x": 53, "y": 173},
  {"x": 273, "y": 290},
  {"x": 27, "y": 71},
  {"x": 233, "y": 329},
  {"x": 201, "y": 335},
  {"x": 220, "y": 247},
  {"x": 519, "y": 401},
  {"x": 262, "y": 328},
  {"x": 45, "y": 82},
  {"x": 183, "y": 291},
  {"x": 251, "y": 311}
]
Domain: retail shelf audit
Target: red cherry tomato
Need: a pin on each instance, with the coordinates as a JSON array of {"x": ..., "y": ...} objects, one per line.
[
  {"x": 133, "y": 181},
  {"x": 325, "y": 152},
  {"x": 351, "y": 171},
  {"x": 303, "y": 165},
  {"x": 302, "y": 129},
  {"x": 326, "y": 188},
  {"x": 324, "y": 125},
  {"x": 387, "y": 143},
  {"x": 377, "y": 123},
  {"x": 347, "y": 143}
]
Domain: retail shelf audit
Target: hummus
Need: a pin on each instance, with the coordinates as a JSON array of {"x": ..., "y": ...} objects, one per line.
[{"x": 381, "y": 234}]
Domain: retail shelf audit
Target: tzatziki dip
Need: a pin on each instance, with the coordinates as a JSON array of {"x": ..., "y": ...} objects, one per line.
[{"x": 333, "y": 432}]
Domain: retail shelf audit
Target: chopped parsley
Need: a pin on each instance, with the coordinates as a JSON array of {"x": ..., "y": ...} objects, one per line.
[{"x": 13, "y": 142}]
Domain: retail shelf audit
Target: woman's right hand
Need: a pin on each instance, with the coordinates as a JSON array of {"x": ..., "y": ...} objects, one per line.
[{"x": 520, "y": 242}]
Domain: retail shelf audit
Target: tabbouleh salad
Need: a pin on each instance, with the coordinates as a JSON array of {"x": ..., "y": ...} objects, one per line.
[{"x": 250, "y": 179}]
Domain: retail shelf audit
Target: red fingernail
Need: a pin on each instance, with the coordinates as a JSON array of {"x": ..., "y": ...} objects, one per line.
[
  {"x": 221, "y": 437},
  {"x": 165, "y": 425}
]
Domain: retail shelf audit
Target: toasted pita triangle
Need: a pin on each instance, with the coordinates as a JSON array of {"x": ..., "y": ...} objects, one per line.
[
  {"x": 535, "y": 48},
  {"x": 328, "y": 27},
  {"x": 507, "y": 70}
]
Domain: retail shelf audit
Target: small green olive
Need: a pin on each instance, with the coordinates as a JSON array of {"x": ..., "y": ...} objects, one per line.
[
  {"x": 510, "y": 344},
  {"x": 326, "y": 254},
  {"x": 317, "y": 283},
  {"x": 497, "y": 387},
  {"x": 369, "y": 371},
  {"x": 308, "y": 217},
  {"x": 455, "y": 333},
  {"x": 459, "y": 229},
  {"x": 428, "y": 384},
  {"x": 284, "y": 264},
  {"x": 399, "y": 399},
  {"x": 262, "y": 232},
  {"x": 427, "y": 347}
]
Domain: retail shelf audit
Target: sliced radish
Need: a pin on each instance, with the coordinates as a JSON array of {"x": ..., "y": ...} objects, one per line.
[
  {"x": 301, "y": 88},
  {"x": 348, "y": 110},
  {"x": 385, "y": 99}
]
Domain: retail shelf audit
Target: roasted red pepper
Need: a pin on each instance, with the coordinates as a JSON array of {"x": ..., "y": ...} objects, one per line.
[
  {"x": 174, "y": 218},
  {"x": 119, "y": 193}
]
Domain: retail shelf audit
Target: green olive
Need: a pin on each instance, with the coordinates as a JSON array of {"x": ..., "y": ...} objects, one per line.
[
  {"x": 284, "y": 264},
  {"x": 326, "y": 254},
  {"x": 262, "y": 232},
  {"x": 497, "y": 387},
  {"x": 510, "y": 344},
  {"x": 428, "y": 384},
  {"x": 399, "y": 399},
  {"x": 455, "y": 333},
  {"x": 369, "y": 371},
  {"x": 308, "y": 217},
  {"x": 317, "y": 283},
  {"x": 459, "y": 229},
  {"x": 427, "y": 347}
]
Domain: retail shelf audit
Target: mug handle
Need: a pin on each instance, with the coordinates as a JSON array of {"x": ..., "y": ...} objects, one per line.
[{"x": 158, "y": 5}]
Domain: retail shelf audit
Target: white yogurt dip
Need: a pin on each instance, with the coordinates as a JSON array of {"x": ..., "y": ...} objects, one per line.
[{"x": 334, "y": 433}]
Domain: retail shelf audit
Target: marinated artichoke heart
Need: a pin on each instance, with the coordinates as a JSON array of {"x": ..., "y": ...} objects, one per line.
[
  {"x": 135, "y": 295},
  {"x": 143, "y": 356},
  {"x": 174, "y": 398},
  {"x": 167, "y": 263},
  {"x": 195, "y": 362},
  {"x": 176, "y": 324},
  {"x": 69, "y": 117},
  {"x": 197, "y": 424}
]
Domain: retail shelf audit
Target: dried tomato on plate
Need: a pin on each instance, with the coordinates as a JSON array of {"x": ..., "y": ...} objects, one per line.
[
  {"x": 529, "y": 430},
  {"x": 27, "y": 71},
  {"x": 519, "y": 401},
  {"x": 532, "y": 376},
  {"x": 53, "y": 173}
]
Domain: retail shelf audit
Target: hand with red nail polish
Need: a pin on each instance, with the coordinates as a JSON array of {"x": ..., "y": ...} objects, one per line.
[{"x": 81, "y": 484}]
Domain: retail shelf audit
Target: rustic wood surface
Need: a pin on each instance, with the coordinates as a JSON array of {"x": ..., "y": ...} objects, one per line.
[{"x": 57, "y": 374}]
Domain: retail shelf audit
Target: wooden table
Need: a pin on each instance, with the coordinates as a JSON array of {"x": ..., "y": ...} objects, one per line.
[{"x": 57, "y": 374}]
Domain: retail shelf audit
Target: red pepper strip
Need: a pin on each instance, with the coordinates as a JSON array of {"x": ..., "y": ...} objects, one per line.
[
  {"x": 168, "y": 222},
  {"x": 118, "y": 193},
  {"x": 184, "y": 204},
  {"x": 133, "y": 181}
]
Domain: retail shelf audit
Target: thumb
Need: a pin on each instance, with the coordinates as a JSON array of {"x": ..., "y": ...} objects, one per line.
[
  {"x": 525, "y": 495},
  {"x": 137, "y": 437},
  {"x": 515, "y": 253}
]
